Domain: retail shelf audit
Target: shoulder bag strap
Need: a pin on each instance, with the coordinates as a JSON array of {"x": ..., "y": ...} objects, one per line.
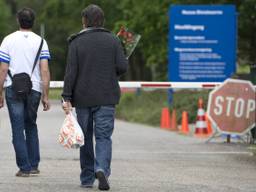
[
  {"x": 37, "y": 55},
  {"x": 9, "y": 73}
]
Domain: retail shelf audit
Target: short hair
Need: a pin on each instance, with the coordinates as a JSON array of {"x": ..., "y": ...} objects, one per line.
[
  {"x": 26, "y": 17},
  {"x": 94, "y": 16}
]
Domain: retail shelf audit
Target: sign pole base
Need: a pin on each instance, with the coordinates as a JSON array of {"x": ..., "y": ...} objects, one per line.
[
  {"x": 218, "y": 134},
  {"x": 228, "y": 138}
]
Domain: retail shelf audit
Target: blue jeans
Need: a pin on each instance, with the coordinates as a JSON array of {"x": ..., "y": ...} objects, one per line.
[
  {"x": 23, "y": 115},
  {"x": 103, "y": 118}
]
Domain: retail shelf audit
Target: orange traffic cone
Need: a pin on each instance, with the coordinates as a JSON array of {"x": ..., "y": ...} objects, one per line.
[
  {"x": 201, "y": 127},
  {"x": 165, "y": 119},
  {"x": 209, "y": 125},
  {"x": 174, "y": 126},
  {"x": 184, "y": 123}
]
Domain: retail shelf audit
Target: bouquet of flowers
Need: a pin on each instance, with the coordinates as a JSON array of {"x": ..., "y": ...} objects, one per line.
[{"x": 129, "y": 40}]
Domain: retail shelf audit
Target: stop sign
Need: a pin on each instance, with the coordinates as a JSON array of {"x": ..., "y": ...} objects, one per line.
[{"x": 231, "y": 106}]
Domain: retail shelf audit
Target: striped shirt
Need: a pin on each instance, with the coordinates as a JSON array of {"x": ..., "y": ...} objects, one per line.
[{"x": 19, "y": 50}]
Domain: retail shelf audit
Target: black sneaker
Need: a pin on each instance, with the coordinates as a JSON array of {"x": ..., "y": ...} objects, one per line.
[
  {"x": 22, "y": 174},
  {"x": 103, "y": 181},
  {"x": 35, "y": 172}
]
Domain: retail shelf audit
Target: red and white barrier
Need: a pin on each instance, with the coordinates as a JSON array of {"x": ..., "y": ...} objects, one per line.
[{"x": 156, "y": 85}]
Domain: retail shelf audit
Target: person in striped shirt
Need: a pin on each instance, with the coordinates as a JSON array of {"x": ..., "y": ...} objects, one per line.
[{"x": 17, "y": 54}]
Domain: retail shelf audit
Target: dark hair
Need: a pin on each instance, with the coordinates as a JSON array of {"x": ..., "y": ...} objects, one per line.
[
  {"x": 93, "y": 15},
  {"x": 26, "y": 17}
]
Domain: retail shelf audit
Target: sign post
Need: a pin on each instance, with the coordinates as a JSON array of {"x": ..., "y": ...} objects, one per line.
[{"x": 232, "y": 106}]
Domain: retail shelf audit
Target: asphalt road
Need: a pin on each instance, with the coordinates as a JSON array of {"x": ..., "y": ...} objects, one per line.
[{"x": 144, "y": 159}]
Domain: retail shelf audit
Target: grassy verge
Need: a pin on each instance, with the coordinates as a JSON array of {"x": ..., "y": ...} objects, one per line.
[
  {"x": 244, "y": 69},
  {"x": 55, "y": 94},
  {"x": 145, "y": 106}
]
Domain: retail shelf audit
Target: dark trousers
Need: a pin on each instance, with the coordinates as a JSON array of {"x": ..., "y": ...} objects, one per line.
[
  {"x": 103, "y": 118},
  {"x": 87, "y": 175}
]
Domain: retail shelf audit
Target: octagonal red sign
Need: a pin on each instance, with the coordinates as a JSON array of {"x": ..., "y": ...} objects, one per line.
[{"x": 231, "y": 106}]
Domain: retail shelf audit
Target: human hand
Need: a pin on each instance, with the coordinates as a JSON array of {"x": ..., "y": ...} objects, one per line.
[
  {"x": 67, "y": 106},
  {"x": 1, "y": 101},
  {"x": 45, "y": 103}
]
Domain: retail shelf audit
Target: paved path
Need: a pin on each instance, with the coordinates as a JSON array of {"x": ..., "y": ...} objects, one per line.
[{"x": 144, "y": 159}]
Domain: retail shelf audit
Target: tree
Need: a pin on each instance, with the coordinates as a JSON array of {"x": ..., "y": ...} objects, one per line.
[
  {"x": 63, "y": 18},
  {"x": 4, "y": 19},
  {"x": 151, "y": 21},
  {"x": 148, "y": 18},
  {"x": 247, "y": 29}
]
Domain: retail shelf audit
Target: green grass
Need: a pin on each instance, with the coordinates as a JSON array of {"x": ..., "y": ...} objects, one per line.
[
  {"x": 145, "y": 106},
  {"x": 55, "y": 94},
  {"x": 243, "y": 69}
]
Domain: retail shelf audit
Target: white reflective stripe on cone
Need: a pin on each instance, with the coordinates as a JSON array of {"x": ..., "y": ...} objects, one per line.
[
  {"x": 201, "y": 124},
  {"x": 200, "y": 112}
]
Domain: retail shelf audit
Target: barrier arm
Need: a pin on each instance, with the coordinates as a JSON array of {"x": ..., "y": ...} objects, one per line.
[{"x": 157, "y": 85}]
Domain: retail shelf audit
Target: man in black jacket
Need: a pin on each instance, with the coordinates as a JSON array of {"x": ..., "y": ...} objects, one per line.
[{"x": 95, "y": 62}]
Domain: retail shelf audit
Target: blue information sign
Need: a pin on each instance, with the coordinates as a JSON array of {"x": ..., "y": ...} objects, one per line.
[{"x": 202, "y": 43}]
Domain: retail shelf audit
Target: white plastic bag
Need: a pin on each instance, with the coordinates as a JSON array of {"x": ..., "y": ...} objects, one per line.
[{"x": 71, "y": 134}]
